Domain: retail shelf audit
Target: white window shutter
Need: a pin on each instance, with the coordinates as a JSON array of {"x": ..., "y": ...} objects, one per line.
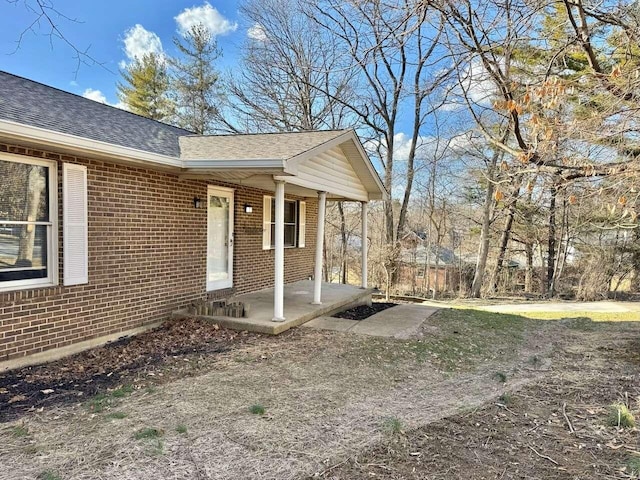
[
  {"x": 75, "y": 224},
  {"x": 302, "y": 223},
  {"x": 266, "y": 222}
]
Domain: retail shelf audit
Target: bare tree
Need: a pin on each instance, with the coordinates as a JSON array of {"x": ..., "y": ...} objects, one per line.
[
  {"x": 393, "y": 51},
  {"x": 291, "y": 77},
  {"x": 45, "y": 20},
  {"x": 550, "y": 99}
]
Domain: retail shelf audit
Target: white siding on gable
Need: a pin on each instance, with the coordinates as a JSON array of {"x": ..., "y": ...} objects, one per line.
[
  {"x": 75, "y": 224},
  {"x": 331, "y": 171}
]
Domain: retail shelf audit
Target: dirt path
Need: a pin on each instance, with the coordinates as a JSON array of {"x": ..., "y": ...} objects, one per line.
[
  {"x": 321, "y": 398},
  {"x": 555, "y": 427}
]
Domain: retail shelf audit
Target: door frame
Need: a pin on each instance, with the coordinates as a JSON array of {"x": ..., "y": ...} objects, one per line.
[{"x": 230, "y": 194}]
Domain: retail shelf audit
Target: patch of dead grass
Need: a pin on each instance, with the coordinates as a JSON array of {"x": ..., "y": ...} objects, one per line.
[{"x": 327, "y": 393}]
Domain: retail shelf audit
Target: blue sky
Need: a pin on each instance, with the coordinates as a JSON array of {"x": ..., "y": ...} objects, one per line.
[
  {"x": 115, "y": 31},
  {"x": 107, "y": 28}
]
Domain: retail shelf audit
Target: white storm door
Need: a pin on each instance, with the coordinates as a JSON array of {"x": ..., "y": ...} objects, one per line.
[{"x": 219, "y": 238}]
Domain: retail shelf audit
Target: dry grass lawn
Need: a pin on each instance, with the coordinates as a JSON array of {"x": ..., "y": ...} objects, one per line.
[{"x": 304, "y": 404}]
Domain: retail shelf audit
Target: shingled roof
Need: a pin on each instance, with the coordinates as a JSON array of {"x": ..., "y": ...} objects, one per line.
[
  {"x": 272, "y": 146},
  {"x": 31, "y": 103}
]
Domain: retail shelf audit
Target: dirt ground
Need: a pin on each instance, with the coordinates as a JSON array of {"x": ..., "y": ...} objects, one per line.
[
  {"x": 555, "y": 427},
  {"x": 474, "y": 395}
]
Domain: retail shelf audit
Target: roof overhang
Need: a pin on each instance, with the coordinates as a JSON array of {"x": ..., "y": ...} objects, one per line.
[
  {"x": 297, "y": 170},
  {"x": 37, "y": 137},
  {"x": 305, "y": 173}
]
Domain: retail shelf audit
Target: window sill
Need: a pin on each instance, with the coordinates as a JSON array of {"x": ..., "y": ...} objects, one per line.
[{"x": 27, "y": 286}]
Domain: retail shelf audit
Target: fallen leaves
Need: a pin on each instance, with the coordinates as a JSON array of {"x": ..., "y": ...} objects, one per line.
[{"x": 101, "y": 368}]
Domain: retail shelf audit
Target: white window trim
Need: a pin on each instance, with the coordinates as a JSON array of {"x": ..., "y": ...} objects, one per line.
[
  {"x": 52, "y": 231},
  {"x": 297, "y": 224}
]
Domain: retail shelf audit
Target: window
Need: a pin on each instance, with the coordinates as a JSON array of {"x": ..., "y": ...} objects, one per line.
[
  {"x": 290, "y": 222},
  {"x": 295, "y": 213},
  {"x": 28, "y": 222}
]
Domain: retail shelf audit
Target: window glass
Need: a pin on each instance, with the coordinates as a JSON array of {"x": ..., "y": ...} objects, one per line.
[
  {"x": 289, "y": 235},
  {"x": 290, "y": 223},
  {"x": 289, "y": 212},
  {"x": 23, "y": 252},
  {"x": 25, "y": 195},
  {"x": 25, "y": 226}
]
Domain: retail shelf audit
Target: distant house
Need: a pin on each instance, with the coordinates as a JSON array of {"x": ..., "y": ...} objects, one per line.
[
  {"x": 110, "y": 221},
  {"x": 425, "y": 267}
]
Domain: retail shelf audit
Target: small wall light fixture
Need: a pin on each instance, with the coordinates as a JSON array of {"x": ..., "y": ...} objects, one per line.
[
  {"x": 248, "y": 208},
  {"x": 196, "y": 202}
]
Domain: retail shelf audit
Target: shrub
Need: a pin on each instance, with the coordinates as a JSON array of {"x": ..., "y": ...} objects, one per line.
[
  {"x": 620, "y": 416},
  {"x": 257, "y": 409}
]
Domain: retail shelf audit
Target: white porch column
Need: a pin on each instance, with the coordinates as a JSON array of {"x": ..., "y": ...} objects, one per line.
[
  {"x": 278, "y": 290},
  {"x": 365, "y": 245},
  {"x": 317, "y": 275}
]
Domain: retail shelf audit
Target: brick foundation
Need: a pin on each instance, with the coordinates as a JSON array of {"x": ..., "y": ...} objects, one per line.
[{"x": 147, "y": 257}]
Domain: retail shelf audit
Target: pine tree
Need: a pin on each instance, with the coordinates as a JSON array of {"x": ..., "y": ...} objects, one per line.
[
  {"x": 195, "y": 80},
  {"x": 145, "y": 89}
]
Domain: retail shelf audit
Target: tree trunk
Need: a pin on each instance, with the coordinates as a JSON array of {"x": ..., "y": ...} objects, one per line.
[
  {"x": 388, "y": 185},
  {"x": 504, "y": 238},
  {"x": 436, "y": 283},
  {"x": 528, "y": 274},
  {"x": 485, "y": 233},
  {"x": 563, "y": 247},
  {"x": 635, "y": 262},
  {"x": 26, "y": 242},
  {"x": 325, "y": 265},
  {"x": 343, "y": 246},
  {"x": 551, "y": 244},
  {"x": 387, "y": 294}
]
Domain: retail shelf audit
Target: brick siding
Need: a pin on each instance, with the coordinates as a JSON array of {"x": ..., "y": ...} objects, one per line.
[{"x": 147, "y": 257}]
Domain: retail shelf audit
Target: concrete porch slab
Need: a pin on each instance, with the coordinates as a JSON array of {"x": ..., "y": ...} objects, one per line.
[
  {"x": 401, "y": 321},
  {"x": 297, "y": 306},
  {"x": 332, "y": 323}
]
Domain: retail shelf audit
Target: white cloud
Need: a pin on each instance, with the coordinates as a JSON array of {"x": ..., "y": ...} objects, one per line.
[
  {"x": 475, "y": 83},
  {"x": 256, "y": 32},
  {"x": 206, "y": 15},
  {"x": 73, "y": 83},
  {"x": 138, "y": 41},
  {"x": 120, "y": 105},
  {"x": 95, "y": 95},
  {"x": 426, "y": 146},
  {"x": 98, "y": 96},
  {"x": 467, "y": 141}
]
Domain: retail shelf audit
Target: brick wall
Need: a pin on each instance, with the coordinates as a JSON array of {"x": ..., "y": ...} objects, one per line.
[{"x": 147, "y": 257}]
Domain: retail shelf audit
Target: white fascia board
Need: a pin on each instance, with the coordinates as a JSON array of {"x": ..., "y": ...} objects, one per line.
[
  {"x": 58, "y": 139},
  {"x": 269, "y": 166},
  {"x": 248, "y": 164}
]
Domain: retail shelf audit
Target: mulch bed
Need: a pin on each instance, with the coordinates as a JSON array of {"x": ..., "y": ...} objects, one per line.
[
  {"x": 364, "y": 311},
  {"x": 74, "y": 378}
]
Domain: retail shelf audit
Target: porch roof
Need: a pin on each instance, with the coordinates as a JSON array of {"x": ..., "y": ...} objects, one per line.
[{"x": 333, "y": 161}]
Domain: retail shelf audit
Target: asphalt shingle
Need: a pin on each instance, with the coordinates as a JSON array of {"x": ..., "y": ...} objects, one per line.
[
  {"x": 271, "y": 146},
  {"x": 31, "y": 103}
]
